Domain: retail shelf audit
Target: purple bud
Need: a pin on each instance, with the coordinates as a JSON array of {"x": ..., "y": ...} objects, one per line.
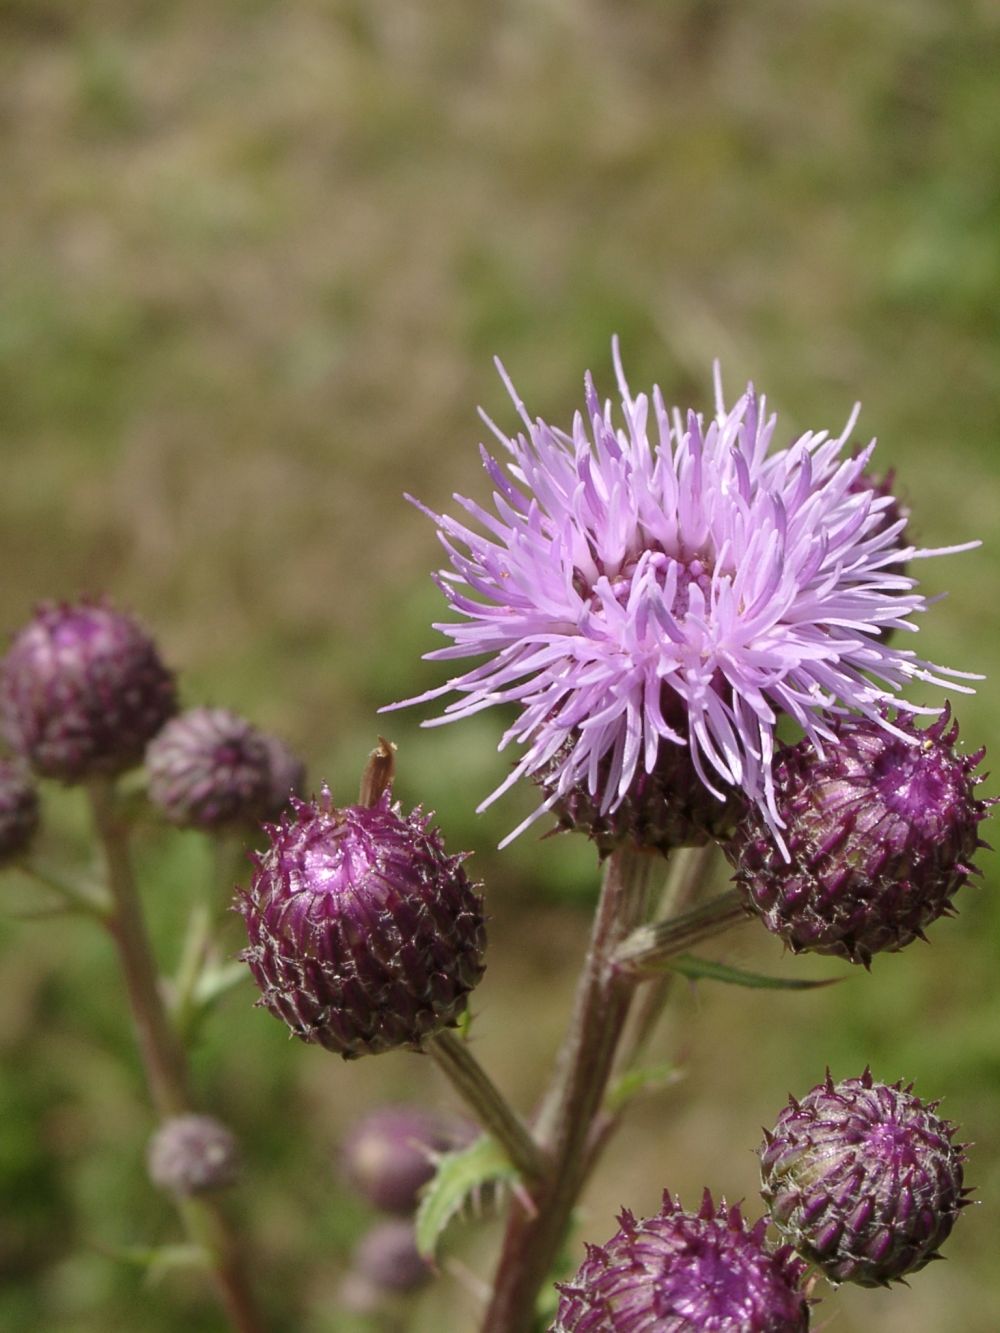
[
  {"x": 880, "y": 832},
  {"x": 387, "y": 1257},
  {"x": 209, "y": 768},
  {"x": 863, "y": 1179},
  {"x": 667, "y": 808},
  {"x": 389, "y": 1154},
  {"x": 19, "y": 813},
  {"x": 678, "y": 1272},
  {"x": 287, "y": 777},
  {"x": 82, "y": 690},
  {"x": 192, "y": 1154},
  {"x": 364, "y": 935}
]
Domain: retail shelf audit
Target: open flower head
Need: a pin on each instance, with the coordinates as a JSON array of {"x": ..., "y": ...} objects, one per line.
[{"x": 669, "y": 581}]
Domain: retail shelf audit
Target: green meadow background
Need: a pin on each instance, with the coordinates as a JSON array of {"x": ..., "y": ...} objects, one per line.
[{"x": 255, "y": 262}]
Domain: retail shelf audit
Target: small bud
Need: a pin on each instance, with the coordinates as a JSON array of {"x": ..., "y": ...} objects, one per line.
[
  {"x": 82, "y": 690},
  {"x": 880, "y": 833},
  {"x": 19, "y": 813},
  {"x": 863, "y": 1179},
  {"x": 192, "y": 1154},
  {"x": 678, "y": 1272},
  {"x": 389, "y": 1154},
  {"x": 209, "y": 768},
  {"x": 287, "y": 778},
  {"x": 364, "y": 935},
  {"x": 387, "y": 1257},
  {"x": 667, "y": 808}
]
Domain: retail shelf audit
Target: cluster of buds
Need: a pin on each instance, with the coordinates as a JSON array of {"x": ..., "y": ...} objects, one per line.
[
  {"x": 388, "y": 1157},
  {"x": 85, "y": 694},
  {"x": 862, "y": 1180}
]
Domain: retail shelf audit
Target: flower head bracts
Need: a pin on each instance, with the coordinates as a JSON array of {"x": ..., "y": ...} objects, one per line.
[
  {"x": 864, "y": 1179},
  {"x": 680, "y": 1271},
  {"x": 674, "y": 583},
  {"x": 364, "y": 935}
]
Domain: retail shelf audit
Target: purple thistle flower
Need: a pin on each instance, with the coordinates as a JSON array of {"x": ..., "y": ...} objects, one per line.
[
  {"x": 82, "y": 689},
  {"x": 880, "y": 831},
  {"x": 678, "y": 1272},
  {"x": 631, "y": 593},
  {"x": 364, "y": 934},
  {"x": 864, "y": 1179}
]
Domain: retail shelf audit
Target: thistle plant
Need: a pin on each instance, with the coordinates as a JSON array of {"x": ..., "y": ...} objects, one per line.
[{"x": 697, "y": 637}]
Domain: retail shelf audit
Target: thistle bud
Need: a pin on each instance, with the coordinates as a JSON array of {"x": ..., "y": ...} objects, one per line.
[
  {"x": 389, "y": 1154},
  {"x": 82, "y": 690},
  {"x": 209, "y": 768},
  {"x": 19, "y": 814},
  {"x": 192, "y": 1154},
  {"x": 666, "y": 808},
  {"x": 387, "y": 1257},
  {"x": 364, "y": 935},
  {"x": 678, "y": 1271},
  {"x": 863, "y": 1179},
  {"x": 880, "y": 833}
]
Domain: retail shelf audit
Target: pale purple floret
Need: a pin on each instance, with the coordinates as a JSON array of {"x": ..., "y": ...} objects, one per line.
[{"x": 672, "y": 582}]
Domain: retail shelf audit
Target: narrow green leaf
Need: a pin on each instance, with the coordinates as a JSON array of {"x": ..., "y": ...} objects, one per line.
[
  {"x": 703, "y": 969},
  {"x": 215, "y": 982},
  {"x": 459, "y": 1176},
  {"x": 158, "y": 1259},
  {"x": 647, "y": 1078}
]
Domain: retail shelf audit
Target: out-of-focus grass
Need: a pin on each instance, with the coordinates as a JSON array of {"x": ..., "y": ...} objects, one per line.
[{"x": 254, "y": 262}]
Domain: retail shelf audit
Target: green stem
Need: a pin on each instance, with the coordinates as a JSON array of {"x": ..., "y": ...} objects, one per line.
[
  {"x": 82, "y": 897},
  {"x": 453, "y": 1057},
  {"x": 162, "y": 1054},
  {"x": 604, "y": 992},
  {"x": 649, "y": 947}
]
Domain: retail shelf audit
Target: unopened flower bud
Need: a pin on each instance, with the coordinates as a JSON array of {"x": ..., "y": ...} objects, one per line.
[
  {"x": 19, "y": 813},
  {"x": 387, "y": 1257},
  {"x": 863, "y": 1179},
  {"x": 209, "y": 768},
  {"x": 880, "y": 833},
  {"x": 364, "y": 935},
  {"x": 389, "y": 1154},
  {"x": 82, "y": 690},
  {"x": 678, "y": 1272},
  {"x": 193, "y": 1154}
]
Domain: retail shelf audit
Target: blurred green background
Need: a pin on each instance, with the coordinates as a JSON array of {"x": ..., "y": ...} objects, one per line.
[{"x": 255, "y": 260}]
